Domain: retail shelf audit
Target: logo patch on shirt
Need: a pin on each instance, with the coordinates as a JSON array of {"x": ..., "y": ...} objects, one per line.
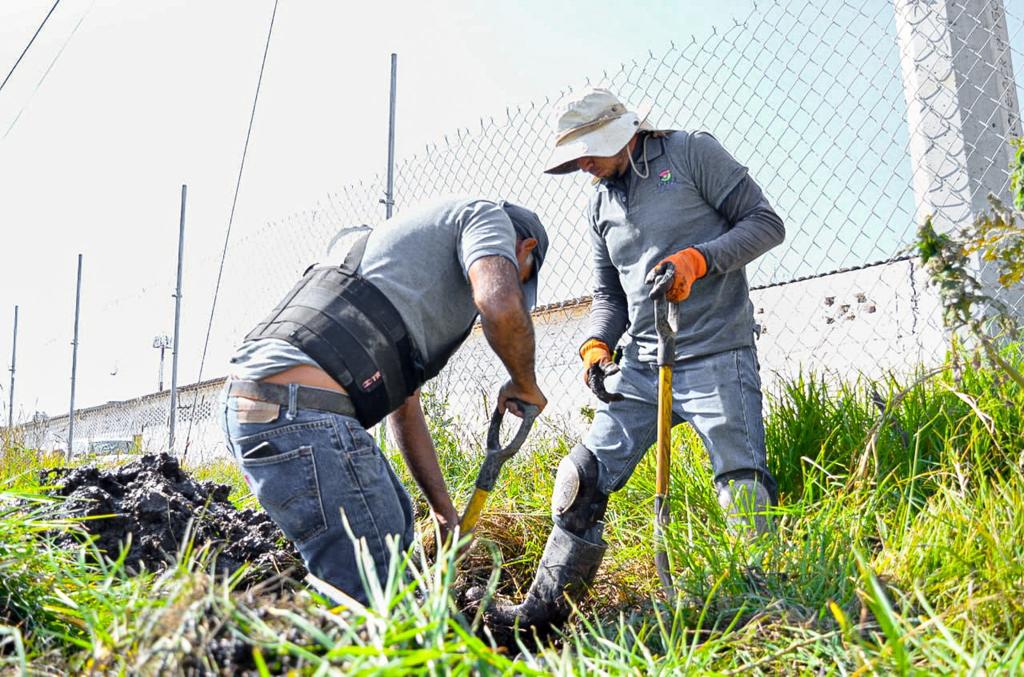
[
  {"x": 666, "y": 180},
  {"x": 372, "y": 381}
]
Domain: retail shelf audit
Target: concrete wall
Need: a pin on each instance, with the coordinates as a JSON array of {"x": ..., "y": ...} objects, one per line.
[
  {"x": 872, "y": 321},
  {"x": 198, "y": 428}
]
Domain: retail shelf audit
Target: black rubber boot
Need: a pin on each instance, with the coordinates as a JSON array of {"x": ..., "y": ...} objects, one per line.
[{"x": 567, "y": 568}]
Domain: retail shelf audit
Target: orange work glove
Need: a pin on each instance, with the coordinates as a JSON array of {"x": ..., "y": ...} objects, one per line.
[
  {"x": 594, "y": 352},
  {"x": 690, "y": 266},
  {"x": 598, "y": 364}
]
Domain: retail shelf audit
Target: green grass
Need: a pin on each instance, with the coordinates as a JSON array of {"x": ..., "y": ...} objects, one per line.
[
  {"x": 224, "y": 471},
  {"x": 899, "y": 549}
]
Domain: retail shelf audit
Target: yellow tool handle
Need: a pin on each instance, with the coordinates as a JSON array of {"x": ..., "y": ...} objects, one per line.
[
  {"x": 473, "y": 510},
  {"x": 664, "y": 430}
]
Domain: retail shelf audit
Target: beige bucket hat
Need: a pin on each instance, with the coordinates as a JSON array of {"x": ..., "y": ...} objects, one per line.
[{"x": 596, "y": 124}]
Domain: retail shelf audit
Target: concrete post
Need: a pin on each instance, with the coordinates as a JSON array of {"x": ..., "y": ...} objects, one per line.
[{"x": 962, "y": 108}]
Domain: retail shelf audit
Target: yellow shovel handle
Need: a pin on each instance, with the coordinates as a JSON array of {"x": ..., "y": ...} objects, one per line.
[
  {"x": 473, "y": 510},
  {"x": 664, "y": 430}
]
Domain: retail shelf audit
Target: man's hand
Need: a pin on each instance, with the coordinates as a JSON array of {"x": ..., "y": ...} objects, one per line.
[
  {"x": 447, "y": 527},
  {"x": 529, "y": 395},
  {"x": 597, "y": 365},
  {"x": 446, "y": 522},
  {"x": 689, "y": 265},
  {"x": 594, "y": 352}
]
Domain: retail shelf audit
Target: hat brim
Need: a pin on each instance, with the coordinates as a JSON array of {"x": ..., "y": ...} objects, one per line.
[
  {"x": 604, "y": 141},
  {"x": 530, "y": 292}
]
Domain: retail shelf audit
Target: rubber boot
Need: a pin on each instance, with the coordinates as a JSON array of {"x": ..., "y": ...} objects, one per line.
[
  {"x": 746, "y": 503},
  {"x": 567, "y": 568}
]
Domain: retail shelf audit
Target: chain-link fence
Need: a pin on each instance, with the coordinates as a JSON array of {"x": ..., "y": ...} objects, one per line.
[{"x": 857, "y": 119}]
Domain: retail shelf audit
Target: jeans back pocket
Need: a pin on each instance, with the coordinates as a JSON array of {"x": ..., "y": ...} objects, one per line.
[{"x": 287, "y": 487}]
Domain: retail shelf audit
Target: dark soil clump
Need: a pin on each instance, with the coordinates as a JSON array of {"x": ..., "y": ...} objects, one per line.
[
  {"x": 153, "y": 501},
  {"x": 225, "y": 651}
]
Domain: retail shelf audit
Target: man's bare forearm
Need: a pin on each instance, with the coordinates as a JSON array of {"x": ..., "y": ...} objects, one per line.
[
  {"x": 498, "y": 296},
  {"x": 503, "y": 316},
  {"x": 409, "y": 429},
  {"x": 513, "y": 342}
]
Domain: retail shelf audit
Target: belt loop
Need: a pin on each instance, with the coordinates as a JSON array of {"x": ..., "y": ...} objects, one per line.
[{"x": 293, "y": 399}]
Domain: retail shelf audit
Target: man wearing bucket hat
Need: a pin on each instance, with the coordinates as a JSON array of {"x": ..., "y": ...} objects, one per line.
[
  {"x": 661, "y": 197},
  {"x": 351, "y": 344}
]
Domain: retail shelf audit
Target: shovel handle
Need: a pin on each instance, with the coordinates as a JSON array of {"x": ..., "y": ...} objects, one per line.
[
  {"x": 530, "y": 413},
  {"x": 666, "y": 313},
  {"x": 472, "y": 513},
  {"x": 496, "y": 454},
  {"x": 666, "y": 323},
  {"x": 660, "y": 278},
  {"x": 496, "y": 457}
]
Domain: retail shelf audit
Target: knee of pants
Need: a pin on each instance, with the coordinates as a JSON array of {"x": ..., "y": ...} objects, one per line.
[
  {"x": 343, "y": 556},
  {"x": 577, "y": 504},
  {"x": 332, "y": 558},
  {"x": 763, "y": 478}
]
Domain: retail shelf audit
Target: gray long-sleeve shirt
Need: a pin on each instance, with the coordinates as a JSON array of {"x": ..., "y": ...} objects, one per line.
[{"x": 695, "y": 195}]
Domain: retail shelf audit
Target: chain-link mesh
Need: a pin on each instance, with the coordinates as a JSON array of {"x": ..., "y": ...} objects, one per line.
[{"x": 857, "y": 118}]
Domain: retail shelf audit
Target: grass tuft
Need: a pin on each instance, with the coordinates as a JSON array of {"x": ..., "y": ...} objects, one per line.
[{"x": 898, "y": 548}]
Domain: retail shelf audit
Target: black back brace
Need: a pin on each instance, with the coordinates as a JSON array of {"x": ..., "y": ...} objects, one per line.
[{"x": 351, "y": 329}]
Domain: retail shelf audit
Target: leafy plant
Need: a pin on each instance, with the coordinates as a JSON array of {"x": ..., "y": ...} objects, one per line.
[{"x": 996, "y": 237}]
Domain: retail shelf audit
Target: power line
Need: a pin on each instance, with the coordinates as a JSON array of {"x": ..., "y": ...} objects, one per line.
[
  {"x": 49, "y": 68},
  {"x": 28, "y": 45},
  {"x": 231, "y": 220}
]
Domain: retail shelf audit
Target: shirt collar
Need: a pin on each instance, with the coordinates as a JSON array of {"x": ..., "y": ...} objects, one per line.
[{"x": 655, "y": 149}]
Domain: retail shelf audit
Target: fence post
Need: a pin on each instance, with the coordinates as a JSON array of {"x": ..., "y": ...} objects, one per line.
[
  {"x": 177, "y": 323},
  {"x": 389, "y": 193},
  {"x": 962, "y": 109},
  {"x": 74, "y": 361},
  {"x": 14, "y": 360}
]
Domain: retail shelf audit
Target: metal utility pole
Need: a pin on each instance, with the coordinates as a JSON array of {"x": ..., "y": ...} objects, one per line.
[
  {"x": 163, "y": 342},
  {"x": 74, "y": 361},
  {"x": 177, "y": 322},
  {"x": 14, "y": 360},
  {"x": 389, "y": 194}
]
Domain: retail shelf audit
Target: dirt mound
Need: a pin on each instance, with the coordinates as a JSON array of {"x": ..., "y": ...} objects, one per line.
[{"x": 153, "y": 501}]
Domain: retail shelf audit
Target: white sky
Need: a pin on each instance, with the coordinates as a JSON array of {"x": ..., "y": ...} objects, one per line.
[{"x": 150, "y": 95}]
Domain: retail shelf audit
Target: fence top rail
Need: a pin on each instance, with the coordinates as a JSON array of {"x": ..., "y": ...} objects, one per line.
[{"x": 142, "y": 399}]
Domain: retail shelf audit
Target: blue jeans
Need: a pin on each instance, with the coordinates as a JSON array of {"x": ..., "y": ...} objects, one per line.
[
  {"x": 719, "y": 394},
  {"x": 307, "y": 468}
]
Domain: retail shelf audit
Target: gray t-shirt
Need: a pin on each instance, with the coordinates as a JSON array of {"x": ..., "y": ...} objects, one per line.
[
  {"x": 695, "y": 195},
  {"x": 420, "y": 260}
]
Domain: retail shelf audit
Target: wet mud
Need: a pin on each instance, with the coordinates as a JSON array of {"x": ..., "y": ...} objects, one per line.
[{"x": 154, "y": 506}]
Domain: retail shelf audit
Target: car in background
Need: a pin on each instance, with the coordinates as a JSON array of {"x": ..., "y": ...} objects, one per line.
[{"x": 115, "y": 446}]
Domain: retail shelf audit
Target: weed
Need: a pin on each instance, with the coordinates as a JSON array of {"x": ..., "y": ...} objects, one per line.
[{"x": 898, "y": 549}]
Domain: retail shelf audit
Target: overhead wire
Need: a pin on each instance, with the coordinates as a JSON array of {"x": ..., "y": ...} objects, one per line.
[
  {"x": 231, "y": 220},
  {"x": 24, "y": 51},
  {"x": 49, "y": 68}
]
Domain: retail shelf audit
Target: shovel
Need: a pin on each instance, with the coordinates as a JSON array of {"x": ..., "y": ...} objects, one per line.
[
  {"x": 666, "y": 320},
  {"x": 496, "y": 457}
]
